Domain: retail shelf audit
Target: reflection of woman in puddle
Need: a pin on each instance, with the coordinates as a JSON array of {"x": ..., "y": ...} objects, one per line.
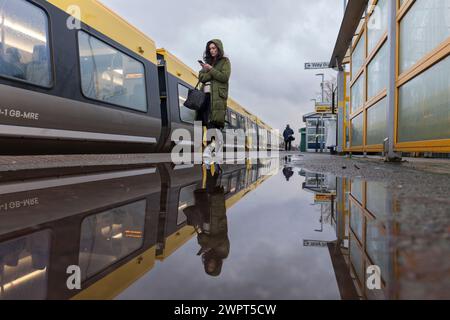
[{"x": 208, "y": 217}]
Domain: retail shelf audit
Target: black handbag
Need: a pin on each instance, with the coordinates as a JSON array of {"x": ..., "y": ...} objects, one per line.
[{"x": 195, "y": 99}]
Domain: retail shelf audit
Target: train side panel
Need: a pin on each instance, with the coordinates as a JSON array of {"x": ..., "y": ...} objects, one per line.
[{"x": 57, "y": 102}]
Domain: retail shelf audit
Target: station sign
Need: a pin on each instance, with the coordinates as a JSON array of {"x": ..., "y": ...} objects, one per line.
[
  {"x": 323, "y": 108},
  {"x": 324, "y": 198},
  {"x": 317, "y": 65}
]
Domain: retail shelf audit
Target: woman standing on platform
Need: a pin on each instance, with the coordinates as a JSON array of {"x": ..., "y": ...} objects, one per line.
[{"x": 214, "y": 76}]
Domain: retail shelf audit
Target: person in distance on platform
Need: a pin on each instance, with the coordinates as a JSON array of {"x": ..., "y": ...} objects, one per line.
[{"x": 288, "y": 136}]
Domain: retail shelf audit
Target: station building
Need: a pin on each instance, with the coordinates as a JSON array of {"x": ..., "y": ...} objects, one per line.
[
  {"x": 394, "y": 77},
  {"x": 319, "y": 134}
]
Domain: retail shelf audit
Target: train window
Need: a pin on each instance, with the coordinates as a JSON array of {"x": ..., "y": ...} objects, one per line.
[
  {"x": 24, "y": 262},
  {"x": 233, "y": 184},
  {"x": 242, "y": 177},
  {"x": 254, "y": 134},
  {"x": 110, "y": 236},
  {"x": 111, "y": 76},
  {"x": 242, "y": 122},
  {"x": 186, "y": 115},
  {"x": 224, "y": 182},
  {"x": 24, "y": 43},
  {"x": 254, "y": 175},
  {"x": 186, "y": 199},
  {"x": 233, "y": 120},
  {"x": 228, "y": 119}
]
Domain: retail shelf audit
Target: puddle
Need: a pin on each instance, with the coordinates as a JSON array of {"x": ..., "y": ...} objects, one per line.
[{"x": 269, "y": 230}]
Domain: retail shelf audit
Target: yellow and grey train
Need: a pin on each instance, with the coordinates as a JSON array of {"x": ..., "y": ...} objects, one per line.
[
  {"x": 113, "y": 225},
  {"x": 77, "y": 78}
]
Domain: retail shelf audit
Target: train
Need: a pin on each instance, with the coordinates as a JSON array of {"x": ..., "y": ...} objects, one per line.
[
  {"x": 115, "y": 225},
  {"x": 94, "y": 83}
]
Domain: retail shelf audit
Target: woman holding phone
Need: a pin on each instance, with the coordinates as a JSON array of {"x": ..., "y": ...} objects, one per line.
[{"x": 214, "y": 76}]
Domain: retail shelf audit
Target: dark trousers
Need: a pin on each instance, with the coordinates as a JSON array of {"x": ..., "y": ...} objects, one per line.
[
  {"x": 287, "y": 145},
  {"x": 203, "y": 113}
]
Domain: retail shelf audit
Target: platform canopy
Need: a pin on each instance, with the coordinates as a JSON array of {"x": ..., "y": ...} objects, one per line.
[{"x": 352, "y": 17}]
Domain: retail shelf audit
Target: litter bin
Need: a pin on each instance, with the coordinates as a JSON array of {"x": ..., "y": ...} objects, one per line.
[{"x": 303, "y": 140}]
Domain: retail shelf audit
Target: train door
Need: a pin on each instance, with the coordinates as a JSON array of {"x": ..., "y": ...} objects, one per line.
[
  {"x": 174, "y": 91},
  {"x": 181, "y": 181}
]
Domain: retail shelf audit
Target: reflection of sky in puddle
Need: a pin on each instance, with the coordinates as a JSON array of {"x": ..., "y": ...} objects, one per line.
[{"x": 267, "y": 258}]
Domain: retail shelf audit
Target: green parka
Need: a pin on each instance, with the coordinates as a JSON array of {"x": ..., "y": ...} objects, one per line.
[
  {"x": 218, "y": 76},
  {"x": 210, "y": 209}
]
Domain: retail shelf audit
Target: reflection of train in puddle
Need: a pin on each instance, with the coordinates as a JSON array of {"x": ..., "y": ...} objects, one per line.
[{"x": 113, "y": 225}]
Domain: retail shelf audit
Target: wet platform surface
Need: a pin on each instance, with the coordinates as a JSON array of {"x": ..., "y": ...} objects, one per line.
[{"x": 274, "y": 229}]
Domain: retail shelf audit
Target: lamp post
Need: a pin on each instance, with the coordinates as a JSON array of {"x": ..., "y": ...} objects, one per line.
[
  {"x": 322, "y": 85},
  {"x": 323, "y": 101},
  {"x": 317, "y": 126}
]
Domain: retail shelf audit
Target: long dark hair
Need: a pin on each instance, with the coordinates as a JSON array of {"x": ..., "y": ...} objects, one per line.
[
  {"x": 207, "y": 55},
  {"x": 218, "y": 259}
]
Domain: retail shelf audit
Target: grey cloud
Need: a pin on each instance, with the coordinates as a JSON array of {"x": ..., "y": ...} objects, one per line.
[{"x": 267, "y": 41}]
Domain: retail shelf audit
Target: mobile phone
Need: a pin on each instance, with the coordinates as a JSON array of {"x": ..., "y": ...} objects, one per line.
[{"x": 201, "y": 62}]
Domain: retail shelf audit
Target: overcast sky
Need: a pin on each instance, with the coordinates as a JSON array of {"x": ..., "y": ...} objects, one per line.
[{"x": 268, "y": 42}]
